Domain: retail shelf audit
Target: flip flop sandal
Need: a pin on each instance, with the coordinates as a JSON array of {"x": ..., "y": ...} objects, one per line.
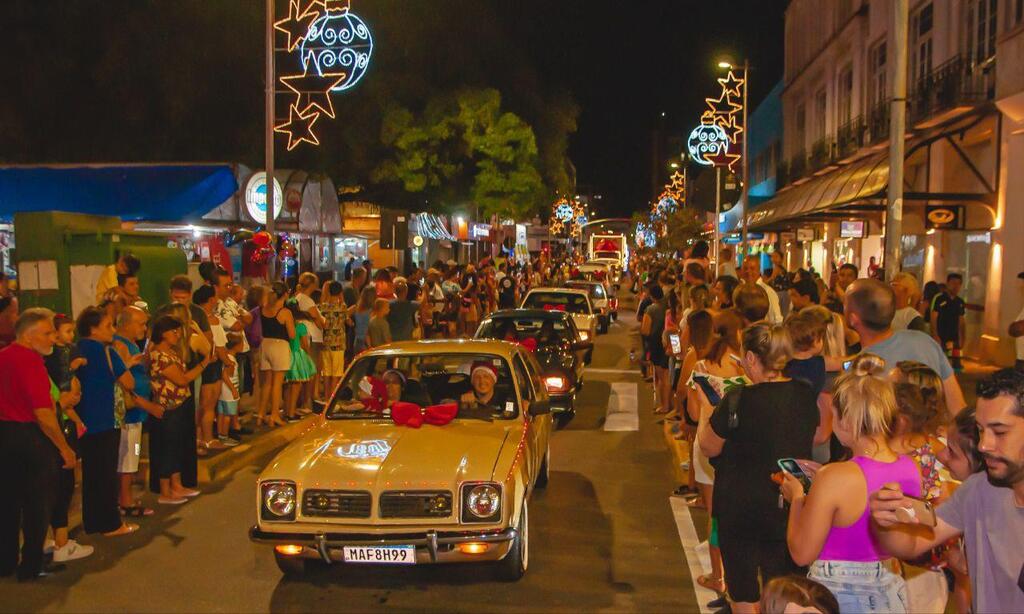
[{"x": 712, "y": 583}]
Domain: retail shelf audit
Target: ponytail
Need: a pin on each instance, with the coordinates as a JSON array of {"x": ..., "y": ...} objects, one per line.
[
  {"x": 864, "y": 398},
  {"x": 771, "y": 344}
]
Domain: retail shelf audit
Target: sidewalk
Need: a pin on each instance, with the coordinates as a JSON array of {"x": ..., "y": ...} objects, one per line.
[{"x": 219, "y": 464}]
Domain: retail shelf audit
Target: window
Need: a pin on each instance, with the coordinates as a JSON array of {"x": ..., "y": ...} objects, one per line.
[
  {"x": 877, "y": 68},
  {"x": 524, "y": 378},
  {"x": 845, "y": 96},
  {"x": 981, "y": 30},
  {"x": 820, "y": 114},
  {"x": 921, "y": 44}
]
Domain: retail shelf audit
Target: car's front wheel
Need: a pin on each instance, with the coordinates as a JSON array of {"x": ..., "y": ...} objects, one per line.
[{"x": 513, "y": 566}]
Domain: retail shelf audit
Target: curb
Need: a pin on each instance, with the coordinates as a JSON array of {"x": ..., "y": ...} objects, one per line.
[{"x": 233, "y": 460}]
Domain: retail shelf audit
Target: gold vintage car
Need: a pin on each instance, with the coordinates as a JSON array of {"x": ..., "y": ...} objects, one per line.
[{"x": 364, "y": 485}]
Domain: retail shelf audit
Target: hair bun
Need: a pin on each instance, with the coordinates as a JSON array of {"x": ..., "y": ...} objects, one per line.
[{"x": 868, "y": 364}]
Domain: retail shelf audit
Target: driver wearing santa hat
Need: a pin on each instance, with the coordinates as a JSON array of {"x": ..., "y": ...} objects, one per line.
[{"x": 483, "y": 376}]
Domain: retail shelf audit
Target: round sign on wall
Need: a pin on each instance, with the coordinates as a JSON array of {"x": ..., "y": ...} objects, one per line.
[{"x": 256, "y": 197}]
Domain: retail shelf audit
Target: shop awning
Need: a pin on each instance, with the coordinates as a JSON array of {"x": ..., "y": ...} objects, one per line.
[
  {"x": 861, "y": 180},
  {"x": 136, "y": 193}
]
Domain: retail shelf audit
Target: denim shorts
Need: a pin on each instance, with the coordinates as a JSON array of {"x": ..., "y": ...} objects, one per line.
[
  {"x": 862, "y": 587},
  {"x": 227, "y": 408}
]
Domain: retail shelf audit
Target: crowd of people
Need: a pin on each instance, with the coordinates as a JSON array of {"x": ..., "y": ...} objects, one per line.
[{"x": 832, "y": 447}]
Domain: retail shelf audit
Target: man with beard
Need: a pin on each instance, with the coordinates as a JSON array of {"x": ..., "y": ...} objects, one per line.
[{"x": 988, "y": 509}]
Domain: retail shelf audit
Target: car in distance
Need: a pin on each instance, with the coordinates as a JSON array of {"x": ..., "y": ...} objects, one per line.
[
  {"x": 600, "y": 298},
  {"x": 554, "y": 341},
  {"x": 570, "y": 300},
  {"x": 427, "y": 453}
]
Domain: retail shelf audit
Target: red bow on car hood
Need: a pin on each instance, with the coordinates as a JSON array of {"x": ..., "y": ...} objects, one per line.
[{"x": 411, "y": 415}]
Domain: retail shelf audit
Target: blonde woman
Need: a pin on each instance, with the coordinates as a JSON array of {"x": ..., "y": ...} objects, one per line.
[
  {"x": 830, "y": 527},
  {"x": 908, "y": 295},
  {"x": 750, "y": 430}
]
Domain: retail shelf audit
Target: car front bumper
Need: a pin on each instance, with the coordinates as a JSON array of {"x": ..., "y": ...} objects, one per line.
[{"x": 431, "y": 546}]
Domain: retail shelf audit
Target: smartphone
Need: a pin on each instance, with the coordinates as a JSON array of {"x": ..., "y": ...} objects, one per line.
[
  {"x": 709, "y": 390},
  {"x": 919, "y": 512},
  {"x": 790, "y": 466},
  {"x": 677, "y": 346}
]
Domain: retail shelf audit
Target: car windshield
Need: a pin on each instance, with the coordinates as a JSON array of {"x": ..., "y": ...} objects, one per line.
[
  {"x": 609, "y": 255},
  {"x": 558, "y": 301},
  {"x": 596, "y": 290},
  {"x": 515, "y": 329},
  {"x": 480, "y": 383}
]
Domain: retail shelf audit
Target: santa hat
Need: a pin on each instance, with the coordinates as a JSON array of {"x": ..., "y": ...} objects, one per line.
[{"x": 486, "y": 368}]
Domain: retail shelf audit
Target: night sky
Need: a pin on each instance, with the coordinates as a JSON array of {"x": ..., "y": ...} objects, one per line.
[
  {"x": 182, "y": 80},
  {"x": 626, "y": 62}
]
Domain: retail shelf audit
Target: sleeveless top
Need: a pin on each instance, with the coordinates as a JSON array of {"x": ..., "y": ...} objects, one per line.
[
  {"x": 272, "y": 328},
  {"x": 855, "y": 542}
]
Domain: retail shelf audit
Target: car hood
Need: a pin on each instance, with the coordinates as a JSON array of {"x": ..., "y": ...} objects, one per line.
[{"x": 378, "y": 455}]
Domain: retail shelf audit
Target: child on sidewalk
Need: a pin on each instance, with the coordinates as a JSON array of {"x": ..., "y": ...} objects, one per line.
[
  {"x": 227, "y": 406},
  {"x": 301, "y": 372},
  {"x": 335, "y": 314}
]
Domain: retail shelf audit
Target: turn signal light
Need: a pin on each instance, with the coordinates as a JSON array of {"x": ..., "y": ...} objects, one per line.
[
  {"x": 289, "y": 549},
  {"x": 556, "y": 383},
  {"x": 473, "y": 548}
]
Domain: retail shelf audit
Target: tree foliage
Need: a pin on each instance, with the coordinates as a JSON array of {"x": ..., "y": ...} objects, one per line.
[{"x": 464, "y": 147}]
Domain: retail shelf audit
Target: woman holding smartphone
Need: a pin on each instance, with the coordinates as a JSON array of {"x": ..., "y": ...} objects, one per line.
[
  {"x": 753, "y": 426},
  {"x": 829, "y": 527}
]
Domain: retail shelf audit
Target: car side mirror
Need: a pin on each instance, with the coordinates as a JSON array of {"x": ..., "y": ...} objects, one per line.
[{"x": 540, "y": 408}]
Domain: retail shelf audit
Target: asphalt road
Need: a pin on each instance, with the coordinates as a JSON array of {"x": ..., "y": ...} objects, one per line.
[{"x": 603, "y": 537}]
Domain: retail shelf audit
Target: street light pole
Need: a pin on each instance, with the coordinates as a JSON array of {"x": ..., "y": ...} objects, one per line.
[
  {"x": 269, "y": 133},
  {"x": 718, "y": 212},
  {"x": 897, "y": 127},
  {"x": 745, "y": 192}
]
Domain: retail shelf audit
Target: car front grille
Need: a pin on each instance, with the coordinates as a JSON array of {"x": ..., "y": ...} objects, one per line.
[
  {"x": 416, "y": 504},
  {"x": 336, "y": 503}
]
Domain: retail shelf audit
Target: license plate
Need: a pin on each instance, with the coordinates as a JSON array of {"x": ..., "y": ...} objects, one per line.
[{"x": 380, "y": 555}]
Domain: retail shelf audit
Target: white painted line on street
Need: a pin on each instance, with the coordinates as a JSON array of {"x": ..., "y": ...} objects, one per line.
[
  {"x": 613, "y": 371},
  {"x": 622, "y": 412},
  {"x": 698, "y": 562}
]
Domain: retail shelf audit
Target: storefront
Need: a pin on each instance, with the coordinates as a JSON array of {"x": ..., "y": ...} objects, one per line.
[{"x": 430, "y": 239}]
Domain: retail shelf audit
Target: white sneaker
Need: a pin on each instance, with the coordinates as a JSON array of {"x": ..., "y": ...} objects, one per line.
[{"x": 71, "y": 551}]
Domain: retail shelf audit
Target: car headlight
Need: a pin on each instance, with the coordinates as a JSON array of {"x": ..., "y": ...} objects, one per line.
[
  {"x": 481, "y": 502},
  {"x": 277, "y": 501}
]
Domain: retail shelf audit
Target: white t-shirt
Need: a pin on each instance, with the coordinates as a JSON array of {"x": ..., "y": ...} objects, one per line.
[
  {"x": 307, "y": 305},
  {"x": 1020, "y": 340},
  {"x": 225, "y": 391},
  {"x": 904, "y": 317},
  {"x": 228, "y": 310}
]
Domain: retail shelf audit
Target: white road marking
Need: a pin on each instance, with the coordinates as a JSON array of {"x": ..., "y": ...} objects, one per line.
[
  {"x": 622, "y": 412},
  {"x": 698, "y": 561}
]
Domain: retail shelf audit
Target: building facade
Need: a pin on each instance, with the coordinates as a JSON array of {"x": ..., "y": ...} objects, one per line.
[{"x": 964, "y": 112}]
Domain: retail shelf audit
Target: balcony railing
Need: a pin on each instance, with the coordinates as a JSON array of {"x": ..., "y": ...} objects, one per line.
[
  {"x": 798, "y": 165},
  {"x": 822, "y": 154},
  {"x": 955, "y": 83},
  {"x": 878, "y": 122},
  {"x": 850, "y": 137}
]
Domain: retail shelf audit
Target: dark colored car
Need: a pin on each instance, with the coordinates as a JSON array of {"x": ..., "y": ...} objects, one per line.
[{"x": 559, "y": 349}]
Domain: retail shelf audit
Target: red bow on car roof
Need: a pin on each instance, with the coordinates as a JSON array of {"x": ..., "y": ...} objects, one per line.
[
  {"x": 554, "y": 307},
  {"x": 529, "y": 343},
  {"x": 412, "y": 415}
]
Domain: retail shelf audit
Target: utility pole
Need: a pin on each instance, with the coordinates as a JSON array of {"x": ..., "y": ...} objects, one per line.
[
  {"x": 271, "y": 184},
  {"x": 745, "y": 192},
  {"x": 897, "y": 128},
  {"x": 718, "y": 212}
]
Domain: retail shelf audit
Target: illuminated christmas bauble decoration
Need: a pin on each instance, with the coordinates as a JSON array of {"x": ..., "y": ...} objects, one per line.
[
  {"x": 338, "y": 42},
  {"x": 707, "y": 141},
  {"x": 564, "y": 211},
  {"x": 667, "y": 205}
]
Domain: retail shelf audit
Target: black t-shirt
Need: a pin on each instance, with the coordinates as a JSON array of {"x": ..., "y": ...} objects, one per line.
[
  {"x": 948, "y": 311},
  {"x": 414, "y": 291},
  {"x": 775, "y": 420},
  {"x": 507, "y": 293},
  {"x": 810, "y": 370}
]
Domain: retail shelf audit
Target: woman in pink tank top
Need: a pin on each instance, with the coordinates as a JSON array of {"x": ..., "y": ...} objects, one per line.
[{"x": 829, "y": 527}]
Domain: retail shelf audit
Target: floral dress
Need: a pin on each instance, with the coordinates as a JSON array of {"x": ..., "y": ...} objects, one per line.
[{"x": 302, "y": 369}]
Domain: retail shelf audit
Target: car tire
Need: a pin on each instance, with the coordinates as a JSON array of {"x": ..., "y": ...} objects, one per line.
[
  {"x": 293, "y": 566},
  {"x": 513, "y": 567},
  {"x": 544, "y": 472}
]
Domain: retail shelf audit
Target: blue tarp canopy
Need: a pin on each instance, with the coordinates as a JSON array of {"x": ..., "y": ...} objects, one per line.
[{"x": 134, "y": 193}]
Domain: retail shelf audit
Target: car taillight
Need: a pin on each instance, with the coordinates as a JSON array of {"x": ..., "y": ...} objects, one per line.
[{"x": 556, "y": 383}]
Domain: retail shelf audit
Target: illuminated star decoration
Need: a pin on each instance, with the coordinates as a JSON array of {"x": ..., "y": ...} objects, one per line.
[
  {"x": 299, "y": 128},
  {"x": 732, "y": 85},
  {"x": 296, "y": 25},
  {"x": 723, "y": 112},
  {"x": 332, "y": 46}
]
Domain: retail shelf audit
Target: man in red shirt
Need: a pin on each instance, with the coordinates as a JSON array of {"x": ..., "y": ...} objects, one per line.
[{"x": 29, "y": 434}]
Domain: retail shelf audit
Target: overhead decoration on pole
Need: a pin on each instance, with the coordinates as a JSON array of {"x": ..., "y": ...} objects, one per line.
[
  {"x": 718, "y": 140},
  {"x": 333, "y": 47}
]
